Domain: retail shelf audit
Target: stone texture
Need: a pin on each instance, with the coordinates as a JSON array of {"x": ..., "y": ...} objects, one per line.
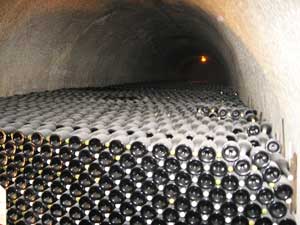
[{"x": 54, "y": 44}]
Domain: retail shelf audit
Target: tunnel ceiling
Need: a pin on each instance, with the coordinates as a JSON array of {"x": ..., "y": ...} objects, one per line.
[{"x": 101, "y": 42}]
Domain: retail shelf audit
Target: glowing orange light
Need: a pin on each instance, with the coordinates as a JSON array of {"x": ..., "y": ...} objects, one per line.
[{"x": 203, "y": 59}]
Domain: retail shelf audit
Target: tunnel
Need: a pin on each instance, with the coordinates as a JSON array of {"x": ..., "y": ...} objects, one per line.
[{"x": 251, "y": 46}]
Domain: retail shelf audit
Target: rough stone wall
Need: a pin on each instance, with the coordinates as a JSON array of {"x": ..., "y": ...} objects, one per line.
[{"x": 52, "y": 44}]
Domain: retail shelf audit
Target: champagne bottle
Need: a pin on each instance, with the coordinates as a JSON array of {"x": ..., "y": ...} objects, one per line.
[
  {"x": 230, "y": 183},
  {"x": 252, "y": 211},
  {"x": 207, "y": 152},
  {"x": 241, "y": 197},
  {"x": 265, "y": 196},
  {"x": 161, "y": 149},
  {"x": 2, "y": 137},
  {"x": 277, "y": 209},
  {"x": 218, "y": 168},
  {"x": 283, "y": 189},
  {"x": 95, "y": 216},
  {"x": 231, "y": 151}
]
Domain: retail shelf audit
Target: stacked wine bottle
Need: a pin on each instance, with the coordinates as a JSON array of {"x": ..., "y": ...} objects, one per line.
[{"x": 139, "y": 155}]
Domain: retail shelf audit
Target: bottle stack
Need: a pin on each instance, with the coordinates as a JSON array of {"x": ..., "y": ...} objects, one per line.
[{"x": 141, "y": 154}]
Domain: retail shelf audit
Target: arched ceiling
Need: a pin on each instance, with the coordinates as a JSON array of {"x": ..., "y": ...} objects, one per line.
[{"x": 53, "y": 44}]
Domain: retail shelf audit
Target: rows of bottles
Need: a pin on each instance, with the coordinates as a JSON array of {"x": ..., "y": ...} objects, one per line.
[{"x": 141, "y": 155}]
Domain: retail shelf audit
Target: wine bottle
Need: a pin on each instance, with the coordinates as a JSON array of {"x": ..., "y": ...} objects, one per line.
[
  {"x": 28, "y": 150},
  {"x": 30, "y": 217},
  {"x": 3, "y": 159},
  {"x": 127, "y": 186},
  {"x": 66, "y": 177},
  {"x": 76, "y": 213},
  {"x": 205, "y": 207},
  {"x": 240, "y": 220},
  {"x": 137, "y": 220},
  {"x": 241, "y": 197},
  {"x": 183, "y": 179},
  {"x": 116, "y": 197},
  {"x": 39, "y": 184},
  {"x": 77, "y": 139},
  {"x": 48, "y": 198},
  {"x": 277, "y": 209},
  {"x": 13, "y": 215},
  {"x": 217, "y": 195},
  {"x": 58, "y": 137},
  {"x": 260, "y": 157},
  {"x": 160, "y": 177},
  {"x": 229, "y": 210},
  {"x": 85, "y": 180},
  {"x": 218, "y": 168},
  {"x": 161, "y": 149},
  {"x": 264, "y": 221},
  {"x": 172, "y": 165},
  {"x": 48, "y": 174},
  {"x": 118, "y": 145},
  {"x": 170, "y": 215},
  {"x": 21, "y": 135},
  {"x": 207, "y": 152},
  {"x": 57, "y": 187},
  {"x": 231, "y": 151},
  {"x": 2, "y": 137},
  {"x": 95, "y": 216},
  {"x": 242, "y": 166},
  {"x": 254, "y": 181},
  {"x": 138, "y": 175},
  {"x": 95, "y": 193},
  {"x": 216, "y": 219},
  {"x": 192, "y": 217},
  {"x": 22, "y": 205},
  {"x": 265, "y": 196},
  {"x": 76, "y": 190},
  {"x": 149, "y": 163},
  {"x": 66, "y": 220},
  {"x": 252, "y": 210},
  {"x": 85, "y": 156},
  {"x": 38, "y": 137},
  {"x": 57, "y": 210},
  {"x": 171, "y": 191},
  {"x": 271, "y": 173},
  {"x": 127, "y": 209},
  {"x": 105, "y": 159},
  {"x": 138, "y": 148},
  {"x": 86, "y": 203},
  {"x": 47, "y": 152},
  {"x": 138, "y": 199},
  {"x": 194, "y": 167},
  {"x": 230, "y": 183},
  {"x": 97, "y": 142},
  {"x": 10, "y": 148},
  {"x": 206, "y": 181},
  {"x": 273, "y": 146},
  {"x": 76, "y": 166},
  {"x": 283, "y": 189},
  {"x": 96, "y": 171},
  {"x": 116, "y": 218},
  {"x": 183, "y": 151},
  {"x": 159, "y": 202},
  {"x": 67, "y": 200},
  {"x": 288, "y": 220},
  {"x": 253, "y": 129},
  {"x": 127, "y": 161},
  {"x": 148, "y": 212}
]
